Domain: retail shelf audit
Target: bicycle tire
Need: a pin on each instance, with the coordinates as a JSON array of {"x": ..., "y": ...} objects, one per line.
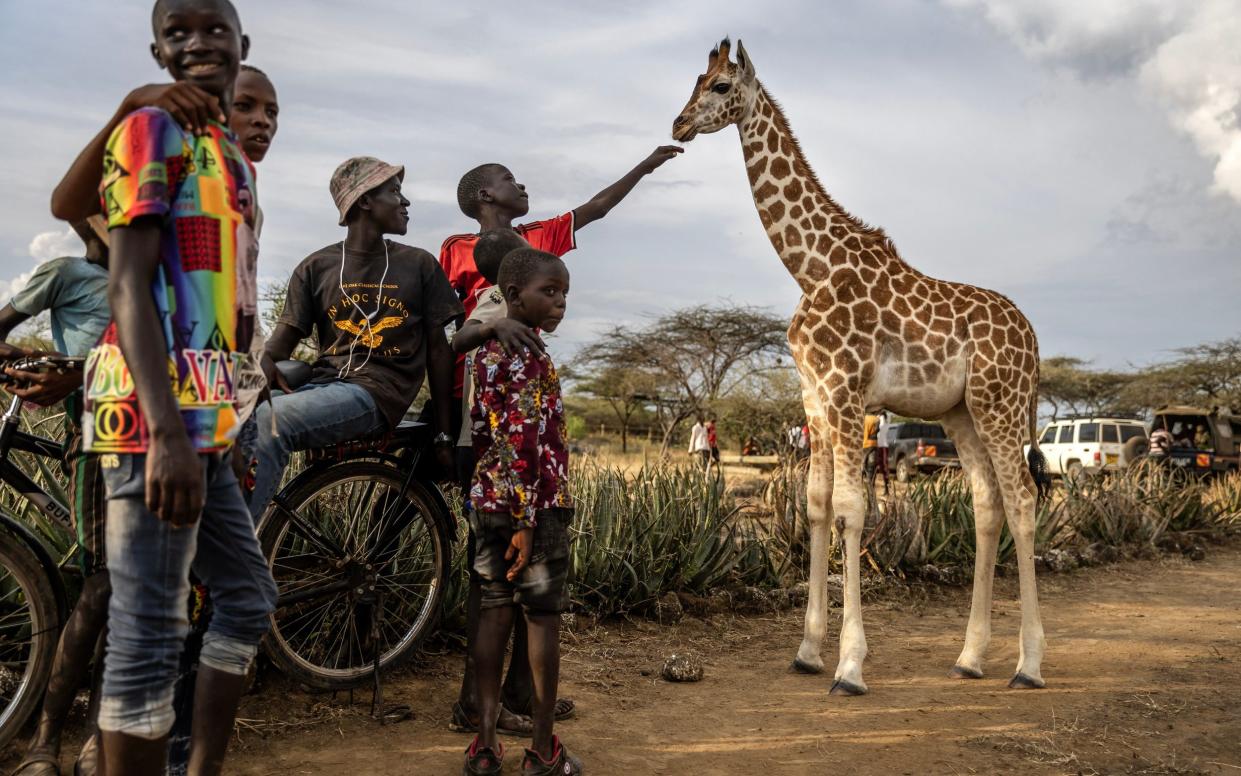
[
  {"x": 297, "y": 566},
  {"x": 29, "y": 630}
]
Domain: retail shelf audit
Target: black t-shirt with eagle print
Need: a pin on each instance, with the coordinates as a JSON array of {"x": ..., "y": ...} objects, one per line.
[{"x": 371, "y": 336}]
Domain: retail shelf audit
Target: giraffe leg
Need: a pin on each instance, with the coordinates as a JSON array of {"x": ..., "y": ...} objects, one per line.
[
  {"x": 988, "y": 519},
  {"x": 809, "y": 659},
  {"x": 849, "y": 508},
  {"x": 1018, "y": 491}
]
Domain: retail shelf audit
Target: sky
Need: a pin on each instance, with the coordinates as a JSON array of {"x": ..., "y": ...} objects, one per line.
[{"x": 1081, "y": 157}]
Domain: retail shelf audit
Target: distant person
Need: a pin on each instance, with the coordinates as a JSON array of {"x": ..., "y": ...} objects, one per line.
[
  {"x": 803, "y": 440},
  {"x": 881, "y": 448},
  {"x": 699, "y": 447},
  {"x": 1161, "y": 442},
  {"x": 1202, "y": 438},
  {"x": 521, "y": 512},
  {"x": 750, "y": 447},
  {"x": 713, "y": 441}
]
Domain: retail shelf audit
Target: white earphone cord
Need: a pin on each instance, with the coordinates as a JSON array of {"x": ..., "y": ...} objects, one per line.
[{"x": 344, "y": 370}]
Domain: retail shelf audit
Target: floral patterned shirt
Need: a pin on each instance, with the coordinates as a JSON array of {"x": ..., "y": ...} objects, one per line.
[{"x": 519, "y": 435}]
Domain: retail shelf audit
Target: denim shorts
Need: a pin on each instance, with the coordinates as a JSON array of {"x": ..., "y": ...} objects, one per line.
[{"x": 542, "y": 587}]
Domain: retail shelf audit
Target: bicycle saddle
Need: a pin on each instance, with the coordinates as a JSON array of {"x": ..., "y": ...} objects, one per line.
[{"x": 295, "y": 373}]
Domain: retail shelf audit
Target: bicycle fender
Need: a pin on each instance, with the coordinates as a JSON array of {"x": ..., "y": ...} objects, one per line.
[{"x": 23, "y": 532}]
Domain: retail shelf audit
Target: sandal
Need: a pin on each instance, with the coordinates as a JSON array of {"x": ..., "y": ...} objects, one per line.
[
  {"x": 87, "y": 763},
  {"x": 483, "y": 760},
  {"x": 563, "y": 763},
  {"x": 509, "y": 724},
  {"x": 566, "y": 708},
  {"x": 49, "y": 761}
]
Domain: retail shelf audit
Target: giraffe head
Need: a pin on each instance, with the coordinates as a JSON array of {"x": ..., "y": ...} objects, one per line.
[{"x": 722, "y": 96}]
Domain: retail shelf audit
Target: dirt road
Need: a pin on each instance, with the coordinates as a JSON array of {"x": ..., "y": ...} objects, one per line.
[{"x": 1143, "y": 670}]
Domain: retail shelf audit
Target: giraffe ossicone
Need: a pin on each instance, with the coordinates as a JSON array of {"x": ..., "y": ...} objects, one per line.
[{"x": 872, "y": 332}]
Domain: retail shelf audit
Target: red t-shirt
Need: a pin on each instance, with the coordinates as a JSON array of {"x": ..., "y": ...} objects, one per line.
[{"x": 555, "y": 235}]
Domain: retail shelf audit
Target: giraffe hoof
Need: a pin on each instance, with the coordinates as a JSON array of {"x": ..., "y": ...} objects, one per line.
[
  {"x": 1023, "y": 682},
  {"x": 800, "y": 667},
  {"x": 845, "y": 687},
  {"x": 961, "y": 672}
]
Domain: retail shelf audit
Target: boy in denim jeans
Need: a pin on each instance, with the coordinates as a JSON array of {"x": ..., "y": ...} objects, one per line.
[
  {"x": 160, "y": 406},
  {"x": 521, "y": 512}
]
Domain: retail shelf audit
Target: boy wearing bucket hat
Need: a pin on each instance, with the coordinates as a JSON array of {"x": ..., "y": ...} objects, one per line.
[{"x": 377, "y": 309}]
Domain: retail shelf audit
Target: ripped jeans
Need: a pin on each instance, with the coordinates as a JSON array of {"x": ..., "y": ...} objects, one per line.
[{"x": 150, "y": 561}]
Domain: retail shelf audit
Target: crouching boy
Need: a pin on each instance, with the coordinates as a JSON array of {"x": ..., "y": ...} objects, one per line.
[{"x": 521, "y": 511}]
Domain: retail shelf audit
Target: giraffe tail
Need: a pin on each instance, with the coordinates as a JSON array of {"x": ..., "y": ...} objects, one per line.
[{"x": 1035, "y": 458}]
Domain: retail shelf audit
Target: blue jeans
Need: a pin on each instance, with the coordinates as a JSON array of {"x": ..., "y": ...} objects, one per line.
[
  {"x": 150, "y": 561},
  {"x": 314, "y": 415}
]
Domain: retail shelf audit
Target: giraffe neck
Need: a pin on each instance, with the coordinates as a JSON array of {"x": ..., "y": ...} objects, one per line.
[{"x": 812, "y": 234}]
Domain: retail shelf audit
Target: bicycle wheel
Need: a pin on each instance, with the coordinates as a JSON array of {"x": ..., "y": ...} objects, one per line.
[
  {"x": 360, "y": 567},
  {"x": 29, "y": 629}
]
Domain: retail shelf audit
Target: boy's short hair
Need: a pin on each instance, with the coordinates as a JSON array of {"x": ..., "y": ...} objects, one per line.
[
  {"x": 161, "y": 6},
  {"x": 492, "y": 246},
  {"x": 521, "y": 265},
  {"x": 471, "y": 183},
  {"x": 252, "y": 69}
]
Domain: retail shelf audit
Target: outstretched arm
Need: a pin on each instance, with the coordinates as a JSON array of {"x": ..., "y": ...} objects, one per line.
[
  {"x": 600, "y": 204},
  {"x": 77, "y": 195}
]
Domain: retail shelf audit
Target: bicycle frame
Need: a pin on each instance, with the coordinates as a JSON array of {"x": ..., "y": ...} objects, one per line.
[{"x": 12, "y": 438}]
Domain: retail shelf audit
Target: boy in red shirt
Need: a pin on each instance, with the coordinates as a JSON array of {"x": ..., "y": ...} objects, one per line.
[{"x": 521, "y": 513}]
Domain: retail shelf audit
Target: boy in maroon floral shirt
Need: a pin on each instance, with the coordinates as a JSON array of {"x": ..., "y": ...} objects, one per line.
[{"x": 522, "y": 510}]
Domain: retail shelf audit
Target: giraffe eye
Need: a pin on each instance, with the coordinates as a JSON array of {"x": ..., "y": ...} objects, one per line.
[{"x": 722, "y": 88}]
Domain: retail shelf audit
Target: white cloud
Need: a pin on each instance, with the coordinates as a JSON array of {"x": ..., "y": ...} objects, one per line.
[
  {"x": 51, "y": 245},
  {"x": 1185, "y": 54},
  {"x": 44, "y": 246}
]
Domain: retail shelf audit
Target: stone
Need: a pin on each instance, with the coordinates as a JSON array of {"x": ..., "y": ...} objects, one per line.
[
  {"x": 668, "y": 609},
  {"x": 683, "y": 667}
]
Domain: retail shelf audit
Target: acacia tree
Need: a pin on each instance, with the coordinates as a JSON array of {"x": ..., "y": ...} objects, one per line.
[
  {"x": 1207, "y": 375},
  {"x": 626, "y": 391},
  {"x": 691, "y": 358},
  {"x": 1067, "y": 384}
]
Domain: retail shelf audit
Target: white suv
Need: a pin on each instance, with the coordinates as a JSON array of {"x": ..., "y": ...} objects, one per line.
[{"x": 1077, "y": 445}]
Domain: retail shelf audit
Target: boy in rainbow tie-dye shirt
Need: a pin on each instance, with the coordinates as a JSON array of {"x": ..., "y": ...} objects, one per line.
[{"x": 160, "y": 405}]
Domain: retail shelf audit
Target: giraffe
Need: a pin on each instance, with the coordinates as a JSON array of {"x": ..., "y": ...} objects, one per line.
[{"x": 872, "y": 332}]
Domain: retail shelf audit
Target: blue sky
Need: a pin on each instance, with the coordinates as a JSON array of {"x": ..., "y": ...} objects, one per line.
[{"x": 1082, "y": 158}]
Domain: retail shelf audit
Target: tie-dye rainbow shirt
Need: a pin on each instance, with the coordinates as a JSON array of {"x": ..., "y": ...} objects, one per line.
[{"x": 202, "y": 190}]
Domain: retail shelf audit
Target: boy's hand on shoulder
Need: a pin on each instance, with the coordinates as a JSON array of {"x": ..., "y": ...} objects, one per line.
[
  {"x": 515, "y": 335},
  {"x": 174, "y": 479},
  {"x": 659, "y": 156},
  {"x": 519, "y": 547},
  {"x": 192, "y": 107}
]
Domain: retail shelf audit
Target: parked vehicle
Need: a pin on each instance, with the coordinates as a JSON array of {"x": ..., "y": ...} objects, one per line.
[
  {"x": 919, "y": 448},
  {"x": 1203, "y": 441},
  {"x": 1086, "y": 444}
]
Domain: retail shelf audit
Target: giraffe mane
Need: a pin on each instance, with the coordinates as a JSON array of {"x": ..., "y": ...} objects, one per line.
[{"x": 871, "y": 231}]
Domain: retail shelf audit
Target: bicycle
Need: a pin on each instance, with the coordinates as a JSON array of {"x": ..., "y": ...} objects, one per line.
[
  {"x": 34, "y": 599},
  {"x": 359, "y": 543}
]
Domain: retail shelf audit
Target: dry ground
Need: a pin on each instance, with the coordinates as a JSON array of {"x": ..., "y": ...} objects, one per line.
[{"x": 1143, "y": 670}]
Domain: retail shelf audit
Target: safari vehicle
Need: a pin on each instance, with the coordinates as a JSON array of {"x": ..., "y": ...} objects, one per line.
[
  {"x": 1203, "y": 441},
  {"x": 919, "y": 448},
  {"x": 1086, "y": 444}
]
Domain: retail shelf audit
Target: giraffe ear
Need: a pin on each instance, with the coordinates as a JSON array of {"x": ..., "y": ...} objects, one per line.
[{"x": 744, "y": 66}]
